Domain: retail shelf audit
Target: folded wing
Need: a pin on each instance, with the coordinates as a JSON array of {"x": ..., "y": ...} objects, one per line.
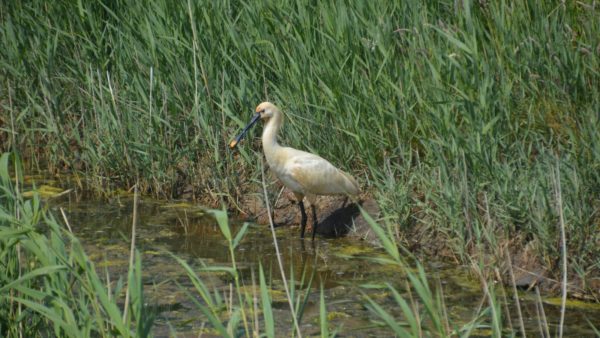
[{"x": 317, "y": 176}]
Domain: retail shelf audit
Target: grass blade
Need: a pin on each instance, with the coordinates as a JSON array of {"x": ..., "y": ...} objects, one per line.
[
  {"x": 323, "y": 315},
  {"x": 266, "y": 305}
]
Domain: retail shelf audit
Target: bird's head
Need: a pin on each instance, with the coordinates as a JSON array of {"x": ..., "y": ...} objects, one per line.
[{"x": 264, "y": 111}]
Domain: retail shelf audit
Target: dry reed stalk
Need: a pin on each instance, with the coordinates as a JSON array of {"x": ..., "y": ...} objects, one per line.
[
  {"x": 563, "y": 242},
  {"x": 515, "y": 293},
  {"x": 132, "y": 248}
]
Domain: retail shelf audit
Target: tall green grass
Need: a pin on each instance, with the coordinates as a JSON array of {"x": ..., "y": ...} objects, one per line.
[
  {"x": 454, "y": 114},
  {"x": 49, "y": 287}
]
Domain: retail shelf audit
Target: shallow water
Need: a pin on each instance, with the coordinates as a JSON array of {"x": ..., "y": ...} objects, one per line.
[{"x": 337, "y": 264}]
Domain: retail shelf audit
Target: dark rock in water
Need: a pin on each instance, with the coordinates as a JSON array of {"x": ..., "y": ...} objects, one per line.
[
  {"x": 528, "y": 270},
  {"x": 528, "y": 279}
]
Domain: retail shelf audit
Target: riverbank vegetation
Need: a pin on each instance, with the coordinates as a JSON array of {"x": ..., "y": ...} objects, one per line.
[
  {"x": 51, "y": 286},
  {"x": 473, "y": 124}
]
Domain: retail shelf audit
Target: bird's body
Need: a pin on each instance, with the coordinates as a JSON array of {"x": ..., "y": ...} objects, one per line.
[{"x": 305, "y": 174}]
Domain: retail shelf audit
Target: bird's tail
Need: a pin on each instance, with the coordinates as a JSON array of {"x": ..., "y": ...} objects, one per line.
[{"x": 352, "y": 187}]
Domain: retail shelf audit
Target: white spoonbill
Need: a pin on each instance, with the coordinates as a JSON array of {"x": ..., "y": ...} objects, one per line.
[{"x": 305, "y": 174}]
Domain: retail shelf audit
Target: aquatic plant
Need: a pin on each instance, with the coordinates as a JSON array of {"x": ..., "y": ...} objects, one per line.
[
  {"x": 213, "y": 305},
  {"x": 48, "y": 284}
]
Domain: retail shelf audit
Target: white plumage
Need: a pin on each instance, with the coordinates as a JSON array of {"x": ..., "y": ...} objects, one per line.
[{"x": 305, "y": 174}]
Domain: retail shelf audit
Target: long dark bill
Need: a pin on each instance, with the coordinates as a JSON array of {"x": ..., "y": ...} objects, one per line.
[{"x": 235, "y": 141}]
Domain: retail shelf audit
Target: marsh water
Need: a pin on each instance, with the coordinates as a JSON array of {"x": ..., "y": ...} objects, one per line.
[{"x": 340, "y": 265}]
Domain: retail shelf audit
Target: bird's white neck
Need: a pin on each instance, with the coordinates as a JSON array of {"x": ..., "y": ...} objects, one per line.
[{"x": 269, "y": 135}]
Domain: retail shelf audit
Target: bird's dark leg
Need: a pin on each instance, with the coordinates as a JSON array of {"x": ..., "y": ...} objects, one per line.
[
  {"x": 304, "y": 218},
  {"x": 315, "y": 222},
  {"x": 345, "y": 201}
]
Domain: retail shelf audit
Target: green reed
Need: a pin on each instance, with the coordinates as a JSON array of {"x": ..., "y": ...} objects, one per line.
[
  {"x": 49, "y": 285},
  {"x": 452, "y": 114}
]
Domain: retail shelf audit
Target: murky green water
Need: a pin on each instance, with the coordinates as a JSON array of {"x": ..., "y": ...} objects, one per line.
[{"x": 337, "y": 264}]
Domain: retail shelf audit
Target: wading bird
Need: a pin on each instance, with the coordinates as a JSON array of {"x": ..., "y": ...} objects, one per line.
[{"x": 305, "y": 174}]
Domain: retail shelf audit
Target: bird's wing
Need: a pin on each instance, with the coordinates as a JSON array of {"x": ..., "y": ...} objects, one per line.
[{"x": 317, "y": 176}]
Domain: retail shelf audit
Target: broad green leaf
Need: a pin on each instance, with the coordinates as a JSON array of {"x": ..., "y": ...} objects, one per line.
[
  {"x": 223, "y": 222},
  {"x": 240, "y": 235},
  {"x": 266, "y": 304},
  {"x": 46, "y": 270},
  {"x": 323, "y": 315},
  {"x": 383, "y": 236}
]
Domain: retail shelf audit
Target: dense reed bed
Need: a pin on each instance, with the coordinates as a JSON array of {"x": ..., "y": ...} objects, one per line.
[{"x": 474, "y": 123}]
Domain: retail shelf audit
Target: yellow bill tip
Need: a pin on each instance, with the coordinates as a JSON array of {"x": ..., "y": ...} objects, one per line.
[{"x": 232, "y": 144}]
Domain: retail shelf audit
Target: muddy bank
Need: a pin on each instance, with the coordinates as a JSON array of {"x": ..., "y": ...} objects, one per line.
[{"x": 337, "y": 216}]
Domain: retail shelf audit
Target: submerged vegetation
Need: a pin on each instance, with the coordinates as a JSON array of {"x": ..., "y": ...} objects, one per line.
[{"x": 474, "y": 124}]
